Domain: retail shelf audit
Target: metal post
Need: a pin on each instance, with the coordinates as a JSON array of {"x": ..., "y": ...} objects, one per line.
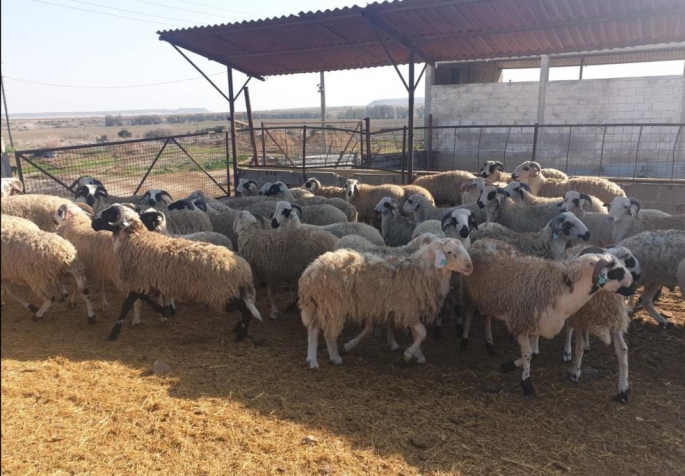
[
  {"x": 322, "y": 91},
  {"x": 535, "y": 141},
  {"x": 542, "y": 88},
  {"x": 7, "y": 116},
  {"x": 234, "y": 147},
  {"x": 367, "y": 126},
  {"x": 506, "y": 144},
  {"x": 361, "y": 142},
  {"x": 410, "y": 120},
  {"x": 582, "y": 65},
  {"x": 601, "y": 154},
  {"x": 404, "y": 151},
  {"x": 304, "y": 153},
  {"x": 568, "y": 147},
  {"x": 429, "y": 145},
  {"x": 228, "y": 175},
  {"x": 263, "y": 145},
  {"x": 675, "y": 146},
  {"x": 255, "y": 156},
  {"x": 637, "y": 153}
]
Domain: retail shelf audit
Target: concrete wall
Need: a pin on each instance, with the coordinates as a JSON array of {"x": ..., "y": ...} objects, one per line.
[{"x": 652, "y": 99}]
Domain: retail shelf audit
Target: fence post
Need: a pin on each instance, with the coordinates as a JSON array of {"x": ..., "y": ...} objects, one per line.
[
  {"x": 367, "y": 126},
  {"x": 535, "y": 141},
  {"x": 568, "y": 147},
  {"x": 263, "y": 145},
  {"x": 304, "y": 153},
  {"x": 601, "y": 154},
  {"x": 404, "y": 152},
  {"x": 429, "y": 142},
  {"x": 675, "y": 147},
  {"x": 228, "y": 167},
  {"x": 361, "y": 142},
  {"x": 20, "y": 171},
  {"x": 637, "y": 153}
]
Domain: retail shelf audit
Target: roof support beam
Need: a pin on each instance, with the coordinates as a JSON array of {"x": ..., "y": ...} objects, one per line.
[
  {"x": 200, "y": 71},
  {"x": 387, "y": 52},
  {"x": 379, "y": 22}
]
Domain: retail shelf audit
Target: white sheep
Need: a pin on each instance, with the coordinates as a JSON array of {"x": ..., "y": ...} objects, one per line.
[
  {"x": 626, "y": 215},
  {"x": 460, "y": 224},
  {"x": 434, "y": 227},
  {"x": 535, "y": 296},
  {"x": 314, "y": 186},
  {"x": 247, "y": 188},
  {"x": 494, "y": 172},
  {"x": 659, "y": 254},
  {"x": 40, "y": 209},
  {"x": 420, "y": 208},
  {"x": 189, "y": 271},
  {"x": 155, "y": 220},
  {"x": 522, "y": 217},
  {"x": 157, "y": 198},
  {"x": 531, "y": 173},
  {"x": 364, "y": 197},
  {"x": 365, "y": 288},
  {"x": 445, "y": 187},
  {"x": 39, "y": 259},
  {"x": 471, "y": 190},
  {"x": 12, "y": 186},
  {"x": 395, "y": 229}
]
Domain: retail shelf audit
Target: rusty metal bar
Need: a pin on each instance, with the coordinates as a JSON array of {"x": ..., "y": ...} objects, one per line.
[
  {"x": 235, "y": 170},
  {"x": 279, "y": 148},
  {"x": 410, "y": 120},
  {"x": 244, "y": 87},
  {"x": 263, "y": 145},
  {"x": 404, "y": 152},
  {"x": 159, "y": 154},
  {"x": 304, "y": 153},
  {"x": 352, "y": 136},
  {"x": 367, "y": 126},
  {"x": 255, "y": 156},
  {"x": 234, "y": 145},
  {"x": 200, "y": 166},
  {"x": 200, "y": 71}
]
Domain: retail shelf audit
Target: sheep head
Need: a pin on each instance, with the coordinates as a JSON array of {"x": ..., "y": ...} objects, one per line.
[
  {"x": 312, "y": 185},
  {"x": 85, "y": 180},
  {"x": 607, "y": 272},
  {"x": 526, "y": 172},
  {"x": 492, "y": 169},
  {"x": 351, "y": 188},
  {"x": 285, "y": 215},
  {"x": 449, "y": 254},
  {"x": 12, "y": 186},
  {"x": 154, "y": 196},
  {"x": 247, "y": 188},
  {"x": 386, "y": 206},
  {"x": 459, "y": 223},
  {"x": 412, "y": 204},
  {"x": 114, "y": 218},
  {"x": 154, "y": 220},
  {"x": 492, "y": 197},
  {"x": 90, "y": 194},
  {"x": 566, "y": 226},
  {"x": 184, "y": 204}
]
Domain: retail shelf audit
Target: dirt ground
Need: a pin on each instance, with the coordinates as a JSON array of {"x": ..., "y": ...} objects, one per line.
[{"x": 75, "y": 404}]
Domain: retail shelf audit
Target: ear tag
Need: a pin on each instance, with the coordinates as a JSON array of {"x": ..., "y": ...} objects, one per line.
[
  {"x": 440, "y": 259},
  {"x": 601, "y": 280},
  {"x": 555, "y": 235}
]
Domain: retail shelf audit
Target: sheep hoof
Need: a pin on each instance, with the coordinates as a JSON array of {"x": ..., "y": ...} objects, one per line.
[
  {"x": 437, "y": 332},
  {"x": 274, "y": 315},
  {"x": 168, "y": 312},
  {"x": 240, "y": 332},
  {"x": 72, "y": 305},
  {"x": 566, "y": 357},
  {"x": 528, "y": 390},
  {"x": 36, "y": 318},
  {"x": 394, "y": 346},
  {"x": 622, "y": 397},
  {"x": 292, "y": 307},
  {"x": 337, "y": 360},
  {"x": 33, "y": 309},
  {"x": 115, "y": 332},
  {"x": 421, "y": 360},
  {"x": 407, "y": 356},
  {"x": 464, "y": 344},
  {"x": 574, "y": 376},
  {"x": 313, "y": 364},
  {"x": 460, "y": 329},
  {"x": 490, "y": 347},
  {"x": 135, "y": 322},
  {"x": 91, "y": 319},
  {"x": 508, "y": 366},
  {"x": 534, "y": 356}
]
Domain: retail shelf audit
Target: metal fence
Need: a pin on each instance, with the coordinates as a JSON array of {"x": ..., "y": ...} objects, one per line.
[
  {"x": 626, "y": 151},
  {"x": 177, "y": 164}
]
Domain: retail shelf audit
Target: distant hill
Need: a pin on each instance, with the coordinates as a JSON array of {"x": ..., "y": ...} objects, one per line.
[
  {"x": 131, "y": 112},
  {"x": 394, "y": 102}
]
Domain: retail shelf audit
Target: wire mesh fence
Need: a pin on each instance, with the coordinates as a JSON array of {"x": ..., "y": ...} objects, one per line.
[{"x": 177, "y": 164}]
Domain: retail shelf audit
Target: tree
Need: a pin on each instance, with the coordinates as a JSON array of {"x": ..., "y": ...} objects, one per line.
[
  {"x": 124, "y": 133},
  {"x": 114, "y": 120}
]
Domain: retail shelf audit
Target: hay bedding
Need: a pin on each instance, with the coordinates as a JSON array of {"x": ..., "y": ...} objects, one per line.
[{"x": 75, "y": 404}]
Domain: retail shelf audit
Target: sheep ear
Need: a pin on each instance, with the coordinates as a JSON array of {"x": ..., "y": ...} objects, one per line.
[
  {"x": 499, "y": 166},
  {"x": 635, "y": 207},
  {"x": 440, "y": 259},
  {"x": 535, "y": 169}
]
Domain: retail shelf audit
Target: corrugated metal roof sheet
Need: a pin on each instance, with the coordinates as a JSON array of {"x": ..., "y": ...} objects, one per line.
[{"x": 438, "y": 30}]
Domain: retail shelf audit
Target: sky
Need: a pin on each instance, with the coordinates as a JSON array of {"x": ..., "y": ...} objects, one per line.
[{"x": 58, "y": 42}]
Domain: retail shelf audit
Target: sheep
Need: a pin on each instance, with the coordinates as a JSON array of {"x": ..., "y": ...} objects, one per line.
[
  {"x": 184, "y": 222},
  {"x": 606, "y": 315},
  {"x": 85, "y": 180},
  {"x": 582, "y": 201},
  {"x": 279, "y": 190},
  {"x": 625, "y": 213},
  {"x": 187, "y": 204},
  {"x": 433, "y": 227},
  {"x": 348, "y": 209},
  {"x": 530, "y": 172},
  {"x": 205, "y": 203},
  {"x": 40, "y": 209},
  {"x": 681, "y": 277},
  {"x": 279, "y": 257},
  {"x": 365, "y": 197},
  {"x": 520, "y": 193},
  {"x": 157, "y": 198},
  {"x": 471, "y": 190},
  {"x": 317, "y": 213},
  {"x": 39, "y": 259},
  {"x": 264, "y": 188},
  {"x": 494, "y": 172},
  {"x": 155, "y": 220},
  {"x": 460, "y": 224},
  {"x": 96, "y": 196},
  {"x": 522, "y": 218},
  {"x": 659, "y": 254},
  {"x": 396, "y": 229},
  {"x": 349, "y": 286},
  {"x": 314, "y": 186},
  {"x": 192, "y": 271},
  {"x": 12, "y": 186},
  {"x": 420, "y": 208},
  {"x": 413, "y": 189},
  {"x": 247, "y": 188},
  {"x": 549, "y": 242},
  {"x": 445, "y": 187},
  {"x": 535, "y": 296}
]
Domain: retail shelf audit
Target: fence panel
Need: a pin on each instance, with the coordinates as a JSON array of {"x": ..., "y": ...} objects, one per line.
[{"x": 177, "y": 164}]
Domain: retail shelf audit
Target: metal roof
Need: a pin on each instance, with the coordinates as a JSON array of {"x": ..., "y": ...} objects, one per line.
[{"x": 437, "y": 30}]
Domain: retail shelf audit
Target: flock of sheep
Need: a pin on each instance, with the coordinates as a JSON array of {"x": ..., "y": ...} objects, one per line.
[{"x": 541, "y": 251}]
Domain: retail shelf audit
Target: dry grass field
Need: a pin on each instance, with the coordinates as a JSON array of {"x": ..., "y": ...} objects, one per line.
[{"x": 75, "y": 404}]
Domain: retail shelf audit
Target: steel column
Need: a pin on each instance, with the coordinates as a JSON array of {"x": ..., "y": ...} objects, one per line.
[
  {"x": 234, "y": 147},
  {"x": 410, "y": 121},
  {"x": 248, "y": 106},
  {"x": 7, "y": 116}
]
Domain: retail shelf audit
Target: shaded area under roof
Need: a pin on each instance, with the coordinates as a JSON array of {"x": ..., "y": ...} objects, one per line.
[{"x": 436, "y": 30}]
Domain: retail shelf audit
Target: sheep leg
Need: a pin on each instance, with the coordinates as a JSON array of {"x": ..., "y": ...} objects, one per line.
[
  {"x": 586, "y": 340},
  {"x": 63, "y": 292},
  {"x": 72, "y": 300},
  {"x": 391, "y": 336},
  {"x": 43, "y": 309},
  {"x": 351, "y": 344},
  {"x": 621, "y": 349},
  {"x": 136, "y": 313},
  {"x": 418, "y": 354},
  {"x": 312, "y": 344},
  {"x": 437, "y": 328},
  {"x": 527, "y": 356},
  {"x": 292, "y": 306},
  {"x": 166, "y": 311},
  {"x": 332, "y": 344},
  {"x": 580, "y": 350},
  {"x": 125, "y": 308},
  {"x": 647, "y": 300},
  {"x": 467, "y": 326},
  {"x": 489, "y": 343},
  {"x": 241, "y": 327},
  {"x": 567, "y": 356},
  {"x": 103, "y": 298},
  {"x": 82, "y": 288},
  {"x": 419, "y": 332},
  {"x": 272, "y": 300},
  {"x": 6, "y": 288},
  {"x": 535, "y": 345}
]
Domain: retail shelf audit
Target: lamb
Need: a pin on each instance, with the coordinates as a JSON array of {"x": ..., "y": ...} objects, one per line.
[
  {"x": 396, "y": 229},
  {"x": 606, "y": 315},
  {"x": 279, "y": 257},
  {"x": 193, "y": 271},
  {"x": 530, "y": 172},
  {"x": 12, "y": 186},
  {"x": 247, "y": 188},
  {"x": 365, "y": 197},
  {"x": 40, "y": 209},
  {"x": 39, "y": 259},
  {"x": 349, "y": 286},
  {"x": 314, "y": 186},
  {"x": 445, "y": 187},
  {"x": 522, "y": 218},
  {"x": 155, "y": 220},
  {"x": 625, "y": 213},
  {"x": 549, "y": 242},
  {"x": 659, "y": 254},
  {"x": 535, "y": 296}
]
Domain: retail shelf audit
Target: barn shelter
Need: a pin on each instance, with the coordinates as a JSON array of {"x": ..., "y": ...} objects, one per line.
[{"x": 431, "y": 31}]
